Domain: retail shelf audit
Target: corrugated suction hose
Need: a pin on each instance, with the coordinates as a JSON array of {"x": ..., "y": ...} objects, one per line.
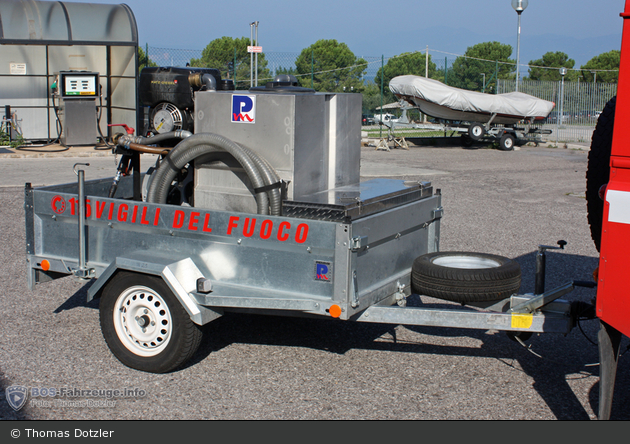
[{"x": 262, "y": 176}]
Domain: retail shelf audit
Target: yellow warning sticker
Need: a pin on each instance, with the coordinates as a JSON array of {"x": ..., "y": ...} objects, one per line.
[{"x": 522, "y": 320}]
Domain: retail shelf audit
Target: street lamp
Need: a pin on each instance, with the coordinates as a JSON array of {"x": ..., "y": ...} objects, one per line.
[
  {"x": 253, "y": 25},
  {"x": 484, "y": 82},
  {"x": 519, "y": 6}
]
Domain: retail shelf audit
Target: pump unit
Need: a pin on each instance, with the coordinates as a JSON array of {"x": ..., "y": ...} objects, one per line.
[{"x": 167, "y": 95}]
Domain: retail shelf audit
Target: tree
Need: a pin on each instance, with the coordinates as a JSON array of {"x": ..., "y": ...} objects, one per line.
[
  {"x": 335, "y": 68},
  {"x": 605, "y": 66},
  {"x": 467, "y": 71},
  {"x": 371, "y": 97},
  {"x": 558, "y": 59},
  {"x": 220, "y": 52},
  {"x": 404, "y": 64},
  {"x": 284, "y": 70},
  {"x": 144, "y": 60}
]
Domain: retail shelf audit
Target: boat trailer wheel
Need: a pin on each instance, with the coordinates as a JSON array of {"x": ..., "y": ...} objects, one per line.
[
  {"x": 507, "y": 142},
  {"x": 476, "y": 131}
]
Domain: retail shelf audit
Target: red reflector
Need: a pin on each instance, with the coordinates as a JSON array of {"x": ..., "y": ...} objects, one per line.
[
  {"x": 602, "y": 191},
  {"x": 45, "y": 265}
]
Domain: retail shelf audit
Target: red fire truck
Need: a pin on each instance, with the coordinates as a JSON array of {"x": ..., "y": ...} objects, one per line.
[{"x": 608, "y": 200}]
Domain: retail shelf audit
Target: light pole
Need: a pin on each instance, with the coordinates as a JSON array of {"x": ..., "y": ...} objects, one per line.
[
  {"x": 256, "y": 58},
  {"x": 484, "y": 82},
  {"x": 253, "y": 25},
  {"x": 251, "y": 54},
  {"x": 519, "y": 6}
]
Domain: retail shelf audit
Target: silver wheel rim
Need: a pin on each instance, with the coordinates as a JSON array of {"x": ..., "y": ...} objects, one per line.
[
  {"x": 477, "y": 130},
  {"x": 465, "y": 262},
  {"x": 142, "y": 321},
  {"x": 508, "y": 143}
]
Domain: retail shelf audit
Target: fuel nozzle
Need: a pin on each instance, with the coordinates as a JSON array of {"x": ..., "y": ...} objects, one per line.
[{"x": 122, "y": 170}]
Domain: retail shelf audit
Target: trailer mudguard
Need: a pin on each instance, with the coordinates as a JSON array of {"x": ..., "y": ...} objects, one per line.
[{"x": 180, "y": 276}]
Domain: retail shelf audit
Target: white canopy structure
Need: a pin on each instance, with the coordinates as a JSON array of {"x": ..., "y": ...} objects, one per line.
[{"x": 39, "y": 39}]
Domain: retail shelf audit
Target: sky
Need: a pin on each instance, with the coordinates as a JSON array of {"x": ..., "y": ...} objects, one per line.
[{"x": 370, "y": 28}]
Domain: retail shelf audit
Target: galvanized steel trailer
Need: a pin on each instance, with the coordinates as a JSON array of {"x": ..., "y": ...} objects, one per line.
[
  {"x": 253, "y": 261},
  {"x": 316, "y": 241},
  {"x": 356, "y": 265}
]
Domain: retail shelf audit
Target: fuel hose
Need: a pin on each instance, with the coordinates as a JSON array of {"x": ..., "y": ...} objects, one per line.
[{"x": 210, "y": 147}]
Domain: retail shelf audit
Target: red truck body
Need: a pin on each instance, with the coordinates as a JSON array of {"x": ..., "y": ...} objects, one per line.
[{"x": 613, "y": 293}]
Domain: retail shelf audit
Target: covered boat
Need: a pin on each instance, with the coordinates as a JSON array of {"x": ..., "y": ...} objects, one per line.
[{"x": 441, "y": 101}]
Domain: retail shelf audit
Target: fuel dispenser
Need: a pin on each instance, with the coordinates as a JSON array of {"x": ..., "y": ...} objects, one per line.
[{"x": 77, "y": 92}]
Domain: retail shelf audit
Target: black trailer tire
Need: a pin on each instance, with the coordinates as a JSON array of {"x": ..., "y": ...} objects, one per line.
[
  {"x": 144, "y": 324},
  {"x": 465, "y": 277},
  {"x": 598, "y": 169},
  {"x": 467, "y": 142},
  {"x": 476, "y": 131},
  {"x": 507, "y": 142}
]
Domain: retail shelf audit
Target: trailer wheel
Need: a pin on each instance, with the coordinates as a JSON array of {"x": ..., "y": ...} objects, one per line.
[
  {"x": 598, "y": 169},
  {"x": 144, "y": 324},
  {"x": 476, "y": 131},
  {"x": 465, "y": 277},
  {"x": 507, "y": 142}
]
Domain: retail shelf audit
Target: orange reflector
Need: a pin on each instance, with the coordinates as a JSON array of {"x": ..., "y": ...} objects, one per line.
[
  {"x": 45, "y": 265},
  {"x": 335, "y": 311}
]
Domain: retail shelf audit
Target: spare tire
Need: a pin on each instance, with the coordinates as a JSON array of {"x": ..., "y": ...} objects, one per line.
[
  {"x": 465, "y": 277},
  {"x": 598, "y": 170}
]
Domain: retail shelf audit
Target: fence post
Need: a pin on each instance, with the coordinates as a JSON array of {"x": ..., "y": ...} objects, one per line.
[
  {"x": 496, "y": 75},
  {"x": 445, "y": 71},
  {"x": 426, "y": 75},
  {"x": 382, "y": 81}
]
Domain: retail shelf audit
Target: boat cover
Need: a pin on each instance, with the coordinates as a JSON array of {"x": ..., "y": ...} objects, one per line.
[{"x": 512, "y": 106}]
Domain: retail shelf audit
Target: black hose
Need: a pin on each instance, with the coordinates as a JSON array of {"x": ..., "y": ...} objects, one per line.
[
  {"x": 271, "y": 178},
  {"x": 211, "y": 146},
  {"x": 107, "y": 146}
]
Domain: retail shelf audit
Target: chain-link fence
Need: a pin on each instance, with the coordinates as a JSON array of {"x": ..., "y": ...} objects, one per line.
[
  {"x": 572, "y": 120},
  {"x": 274, "y": 63},
  {"x": 578, "y": 105},
  {"x": 172, "y": 57}
]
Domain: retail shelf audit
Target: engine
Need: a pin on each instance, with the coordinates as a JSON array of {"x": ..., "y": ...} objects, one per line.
[{"x": 167, "y": 95}]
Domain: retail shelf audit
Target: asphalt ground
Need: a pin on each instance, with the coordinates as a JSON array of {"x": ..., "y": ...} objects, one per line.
[{"x": 269, "y": 367}]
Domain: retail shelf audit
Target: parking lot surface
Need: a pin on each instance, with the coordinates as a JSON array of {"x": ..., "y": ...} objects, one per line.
[{"x": 270, "y": 367}]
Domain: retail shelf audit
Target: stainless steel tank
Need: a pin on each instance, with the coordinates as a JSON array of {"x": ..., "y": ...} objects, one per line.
[{"x": 313, "y": 140}]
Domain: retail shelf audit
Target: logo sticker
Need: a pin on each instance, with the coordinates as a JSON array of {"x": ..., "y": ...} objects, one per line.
[
  {"x": 243, "y": 109},
  {"x": 16, "y": 396},
  {"x": 323, "y": 271}
]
